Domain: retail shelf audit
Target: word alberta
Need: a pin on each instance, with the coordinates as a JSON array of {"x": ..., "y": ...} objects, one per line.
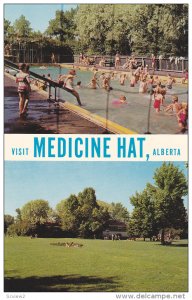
[{"x": 88, "y": 147}]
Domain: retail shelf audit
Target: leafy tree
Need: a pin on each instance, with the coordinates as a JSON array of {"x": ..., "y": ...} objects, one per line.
[
  {"x": 7, "y": 26},
  {"x": 104, "y": 204},
  {"x": 142, "y": 222},
  {"x": 53, "y": 217},
  {"x": 142, "y": 29},
  {"x": 87, "y": 200},
  {"x": 119, "y": 212},
  {"x": 35, "y": 212},
  {"x": 170, "y": 186},
  {"x": 160, "y": 206},
  {"x": 175, "y": 29},
  {"x": 22, "y": 27},
  {"x": 81, "y": 215},
  {"x": 93, "y": 217},
  {"x": 103, "y": 28},
  {"x": 159, "y": 28},
  {"x": 8, "y": 220},
  {"x": 106, "y": 28},
  {"x": 18, "y": 217},
  {"x": 30, "y": 218},
  {"x": 21, "y": 228},
  {"x": 62, "y": 26},
  {"x": 67, "y": 211},
  {"x": 9, "y": 32}
]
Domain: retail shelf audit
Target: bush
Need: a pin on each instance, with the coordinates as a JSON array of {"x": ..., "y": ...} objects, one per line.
[{"x": 21, "y": 228}]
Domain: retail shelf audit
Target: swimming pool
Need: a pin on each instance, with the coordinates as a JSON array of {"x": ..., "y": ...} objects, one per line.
[{"x": 133, "y": 115}]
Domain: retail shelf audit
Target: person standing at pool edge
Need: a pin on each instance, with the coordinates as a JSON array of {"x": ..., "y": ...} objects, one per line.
[
  {"x": 25, "y": 108},
  {"x": 117, "y": 60},
  {"x": 23, "y": 80},
  {"x": 53, "y": 61}
]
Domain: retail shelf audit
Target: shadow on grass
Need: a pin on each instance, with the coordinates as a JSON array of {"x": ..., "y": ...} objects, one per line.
[
  {"x": 69, "y": 283},
  {"x": 179, "y": 245},
  {"x": 174, "y": 245}
]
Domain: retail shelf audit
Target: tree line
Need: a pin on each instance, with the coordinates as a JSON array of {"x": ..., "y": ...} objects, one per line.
[
  {"x": 79, "y": 215},
  {"x": 157, "y": 208},
  {"x": 94, "y": 29}
]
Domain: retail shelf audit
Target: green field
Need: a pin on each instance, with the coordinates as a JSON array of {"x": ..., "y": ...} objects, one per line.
[{"x": 98, "y": 266}]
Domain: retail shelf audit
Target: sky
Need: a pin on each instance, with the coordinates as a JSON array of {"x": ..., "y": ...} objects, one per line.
[
  {"x": 38, "y": 15},
  {"x": 55, "y": 181}
]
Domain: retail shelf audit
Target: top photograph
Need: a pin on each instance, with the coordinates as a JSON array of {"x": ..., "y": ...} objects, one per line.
[{"x": 96, "y": 68}]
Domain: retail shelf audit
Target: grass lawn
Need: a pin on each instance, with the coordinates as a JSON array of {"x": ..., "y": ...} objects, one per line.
[{"x": 99, "y": 266}]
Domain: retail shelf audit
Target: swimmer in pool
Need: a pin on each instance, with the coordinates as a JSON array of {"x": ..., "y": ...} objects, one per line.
[
  {"x": 175, "y": 106},
  {"x": 170, "y": 81},
  {"x": 143, "y": 86},
  {"x": 93, "y": 83},
  {"x": 106, "y": 83},
  {"x": 133, "y": 80},
  {"x": 122, "y": 79},
  {"x": 157, "y": 102},
  {"x": 121, "y": 100}
]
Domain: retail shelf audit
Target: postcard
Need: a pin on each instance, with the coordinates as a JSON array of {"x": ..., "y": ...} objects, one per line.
[{"x": 96, "y": 171}]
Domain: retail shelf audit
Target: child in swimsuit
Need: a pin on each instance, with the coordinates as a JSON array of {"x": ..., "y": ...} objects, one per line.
[
  {"x": 170, "y": 81},
  {"x": 93, "y": 83},
  {"x": 122, "y": 79},
  {"x": 23, "y": 80},
  {"x": 182, "y": 117},
  {"x": 157, "y": 102},
  {"x": 175, "y": 106},
  {"x": 121, "y": 100},
  {"x": 106, "y": 83},
  {"x": 143, "y": 86},
  {"x": 156, "y": 80},
  {"x": 159, "y": 90},
  {"x": 132, "y": 81}
]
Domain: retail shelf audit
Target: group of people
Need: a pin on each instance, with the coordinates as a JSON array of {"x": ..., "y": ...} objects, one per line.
[
  {"x": 181, "y": 112},
  {"x": 24, "y": 85},
  {"x": 41, "y": 84},
  {"x": 130, "y": 63},
  {"x": 85, "y": 60},
  {"x": 66, "y": 81},
  {"x": 113, "y": 237},
  {"x": 147, "y": 84},
  {"x": 154, "y": 62}
]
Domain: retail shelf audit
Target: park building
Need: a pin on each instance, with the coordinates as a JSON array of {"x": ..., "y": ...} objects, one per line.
[{"x": 115, "y": 228}]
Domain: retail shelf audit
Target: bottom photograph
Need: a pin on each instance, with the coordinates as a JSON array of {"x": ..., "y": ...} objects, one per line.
[{"x": 95, "y": 226}]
